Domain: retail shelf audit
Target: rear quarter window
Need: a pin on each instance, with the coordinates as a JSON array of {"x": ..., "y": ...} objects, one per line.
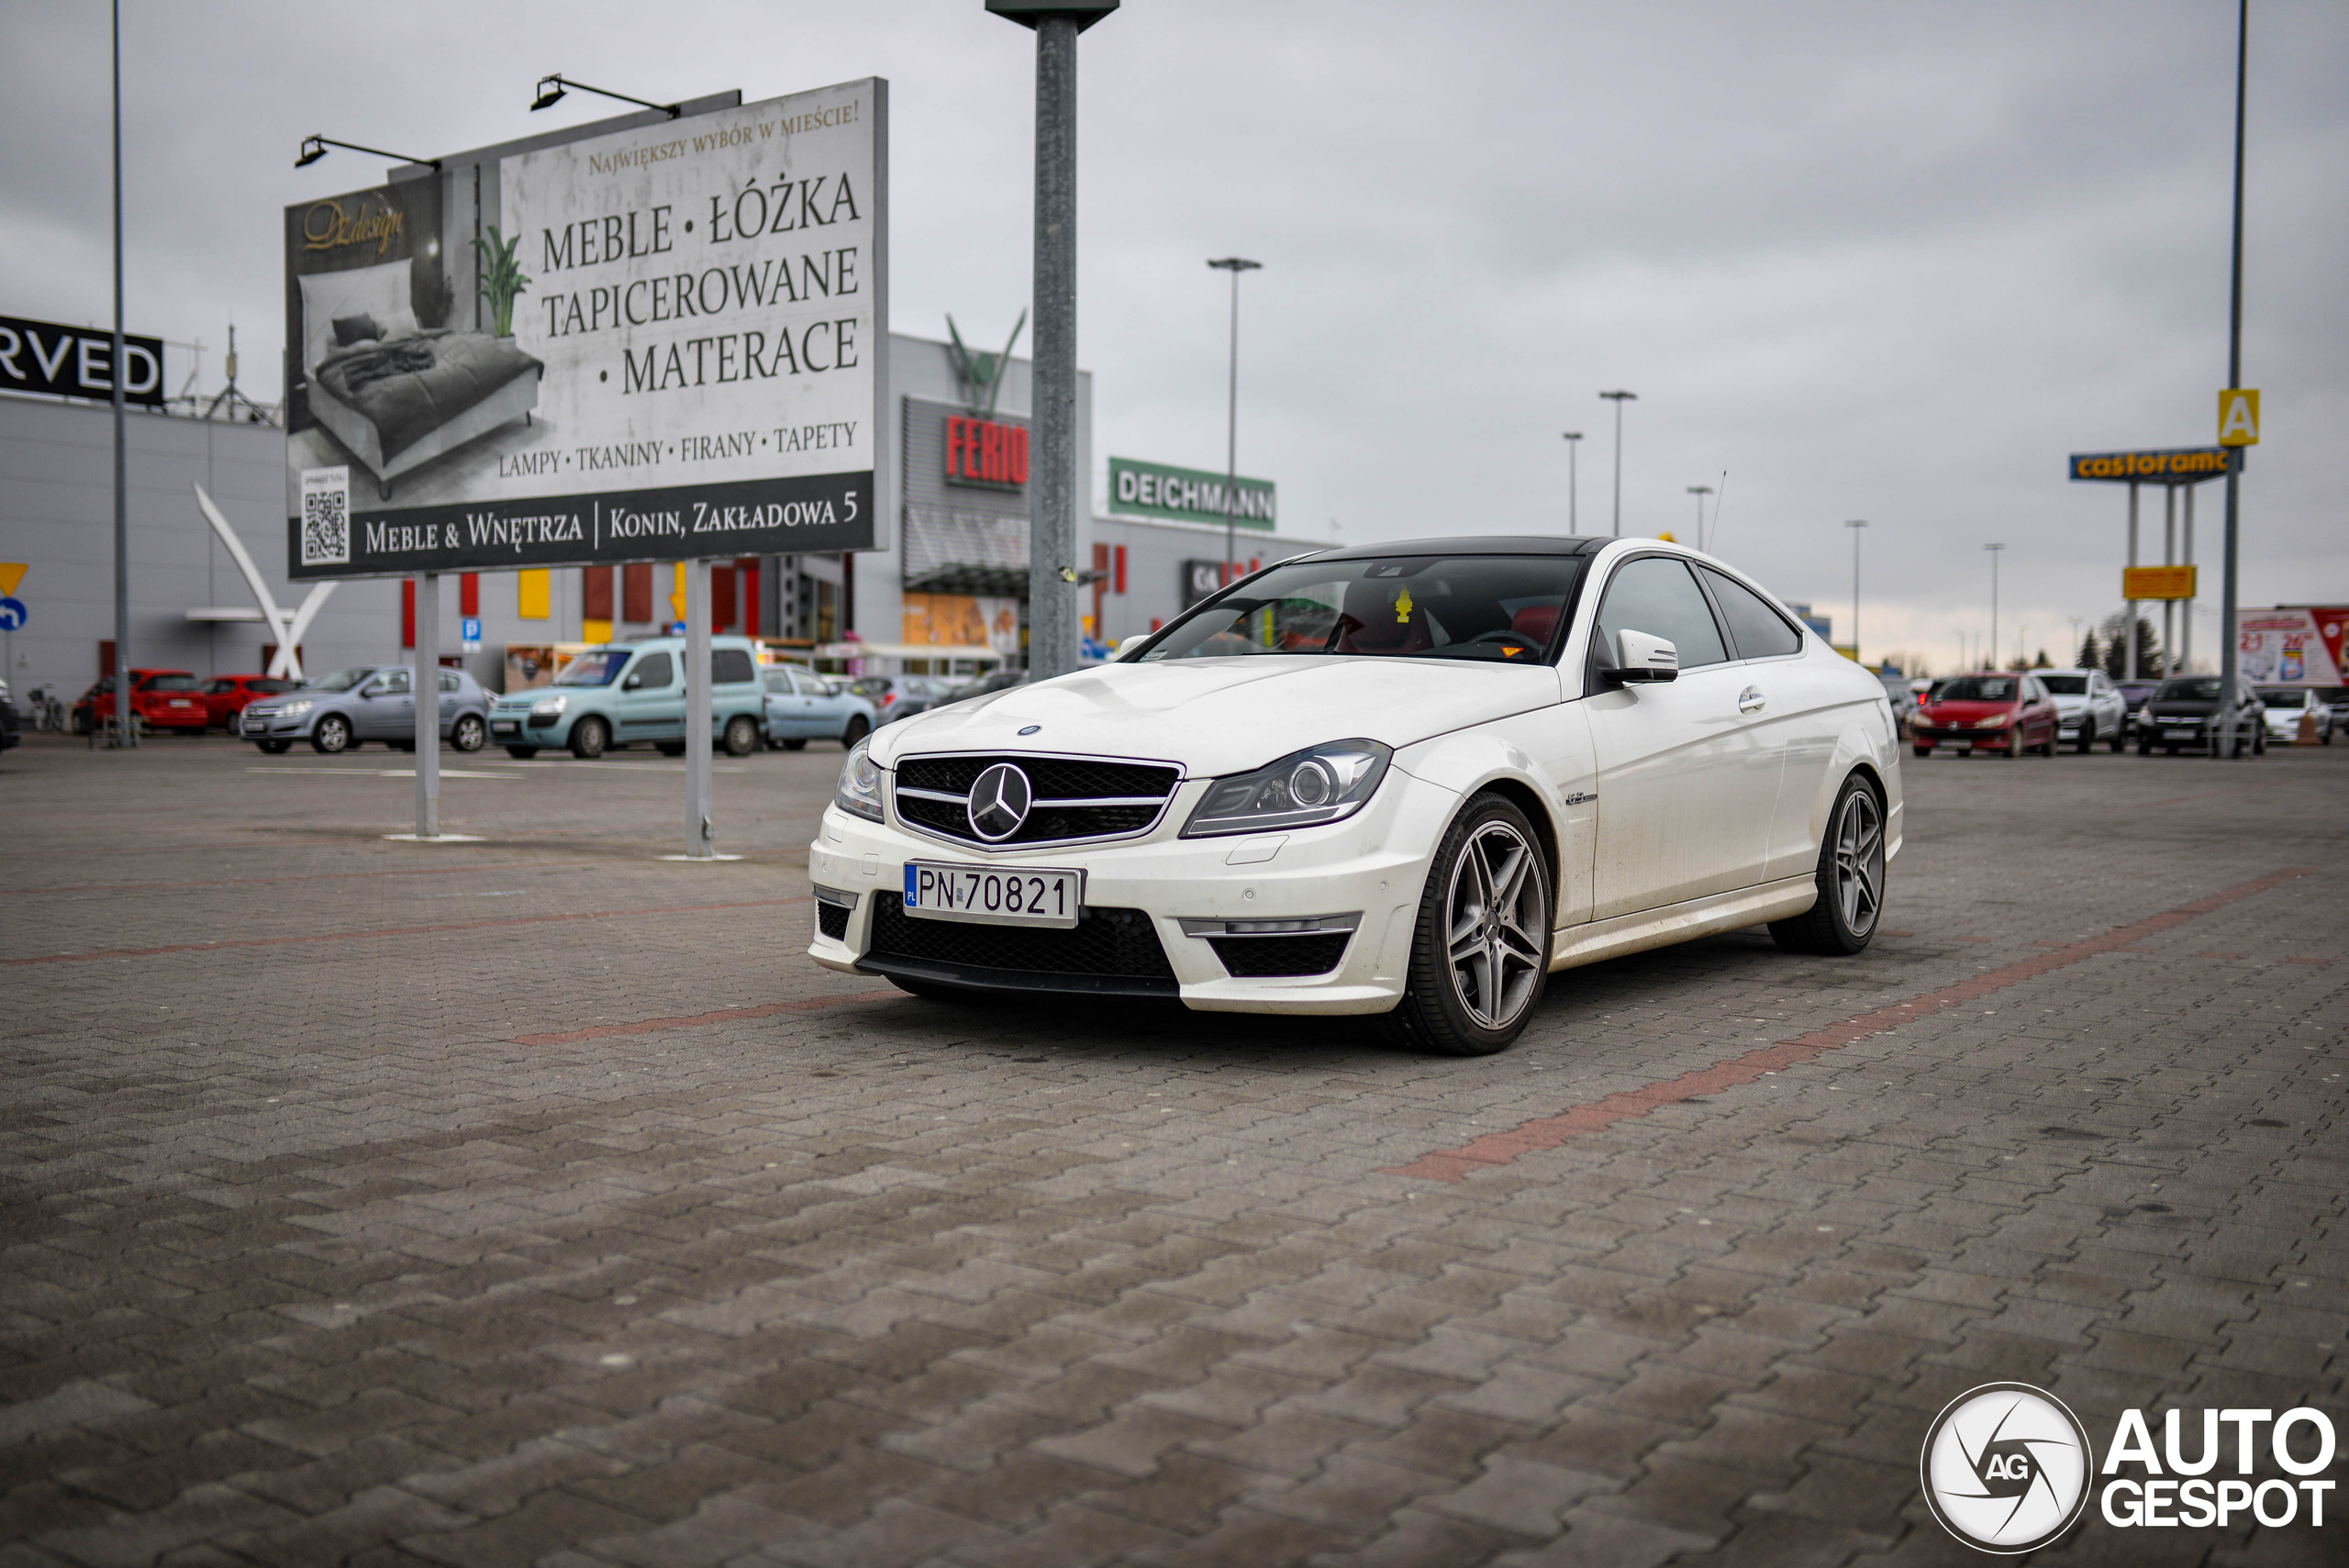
[{"x": 731, "y": 667}]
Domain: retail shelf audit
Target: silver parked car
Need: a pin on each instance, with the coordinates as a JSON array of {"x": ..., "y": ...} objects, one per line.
[
  {"x": 2088, "y": 707},
  {"x": 367, "y": 702}
]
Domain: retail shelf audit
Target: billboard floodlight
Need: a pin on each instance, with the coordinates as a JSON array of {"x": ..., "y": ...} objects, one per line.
[
  {"x": 314, "y": 148},
  {"x": 552, "y": 90}
]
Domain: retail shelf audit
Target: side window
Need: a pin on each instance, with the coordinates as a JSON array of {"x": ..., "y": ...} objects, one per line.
[
  {"x": 1759, "y": 631},
  {"x": 391, "y": 684},
  {"x": 730, "y": 667},
  {"x": 654, "y": 671},
  {"x": 213, "y": 688},
  {"x": 1655, "y": 594},
  {"x": 449, "y": 681}
]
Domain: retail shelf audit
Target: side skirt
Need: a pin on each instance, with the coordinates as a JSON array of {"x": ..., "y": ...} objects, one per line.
[{"x": 1578, "y": 945}]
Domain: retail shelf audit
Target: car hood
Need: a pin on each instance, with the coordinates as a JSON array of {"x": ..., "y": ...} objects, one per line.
[{"x": 1226, "y": 716}]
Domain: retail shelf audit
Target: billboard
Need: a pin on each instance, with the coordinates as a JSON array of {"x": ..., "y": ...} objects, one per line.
[
  {"x": 2173, "y": 466},
  {"x": 75, "y": 362},
  {"x": 1186, "y": 495},
  {"x": 648, "y": 344},
  {"x": 2292, "y": 647},
  {"x": 2157, "y": 581}
]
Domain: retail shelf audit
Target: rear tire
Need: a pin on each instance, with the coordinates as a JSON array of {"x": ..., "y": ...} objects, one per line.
[
  {"x": 589, "y": 738},
  {"x": 670, "y": 748},
  {"x": 1850, "y": 879},
  {"x": 1923, "y": 750},
  {"x": 798, "y": 745},
  {"x": 274, "y": 747},
  {"x": 1480, "y": 947},
  {"x": 741, "y": 736},
  {"x": 521, "y": 753}
]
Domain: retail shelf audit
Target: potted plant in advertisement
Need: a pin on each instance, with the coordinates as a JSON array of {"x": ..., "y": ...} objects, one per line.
[{"x": 502, "y": 280}]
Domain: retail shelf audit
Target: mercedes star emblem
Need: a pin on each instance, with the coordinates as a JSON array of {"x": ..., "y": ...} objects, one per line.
[{"x": 999, "y": 803}]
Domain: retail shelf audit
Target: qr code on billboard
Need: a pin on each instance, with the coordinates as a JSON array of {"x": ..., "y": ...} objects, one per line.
[{"x": 325, "y": 517}]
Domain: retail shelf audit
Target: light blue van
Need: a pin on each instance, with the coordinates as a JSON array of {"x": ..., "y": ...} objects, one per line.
[{"x": 624, "y": 692}]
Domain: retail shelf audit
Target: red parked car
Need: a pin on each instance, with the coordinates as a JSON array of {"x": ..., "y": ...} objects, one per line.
[
  {"x": 2009, "y": 713},
  {"x": 224, "y": 697},
  {"x": 162, "y": 699}
]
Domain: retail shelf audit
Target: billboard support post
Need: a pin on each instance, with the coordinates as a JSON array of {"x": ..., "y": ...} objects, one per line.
[
  {"x": 2169, "y": 557},
  {"x": 698, "y": 830},
  {"x": 2129, "y": 631},
  {"x": 2186, "y": 622},
  {"x": 426, "y": 684},
  {"x": 1051, "y": 531}
]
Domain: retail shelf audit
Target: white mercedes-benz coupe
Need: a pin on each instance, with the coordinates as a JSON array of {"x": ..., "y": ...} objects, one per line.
[{"x": 1407, "y": 780}]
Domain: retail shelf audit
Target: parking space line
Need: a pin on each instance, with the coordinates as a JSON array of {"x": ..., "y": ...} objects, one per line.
[
  {"x": 1494, "y": 1149},
  {"x": 398, "y": 931},
  {"x": 724, "y": 1015}
]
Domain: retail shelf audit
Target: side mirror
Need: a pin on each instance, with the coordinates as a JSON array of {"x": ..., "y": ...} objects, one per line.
[
  {"x": 1642, "y": 659},
  {"x": 632, "y": 683}
]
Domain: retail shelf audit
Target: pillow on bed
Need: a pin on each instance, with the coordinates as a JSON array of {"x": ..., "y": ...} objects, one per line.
[
  {"x": 349, "y": 330},
  {"x": 380, "y": 292}
]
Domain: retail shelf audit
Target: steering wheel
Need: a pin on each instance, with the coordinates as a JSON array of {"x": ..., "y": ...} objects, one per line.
[{"x": 1505, "y": 634}]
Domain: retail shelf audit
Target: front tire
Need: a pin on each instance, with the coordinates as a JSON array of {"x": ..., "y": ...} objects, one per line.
[
  {"x": 1923, "y": 750},
  {"x": 741, "y": 736},
  {"x": 1850, "y": 880},
  {"x": 332, "y": 736},
  {"x": 1480, "y": 947},
  {"x": 2086, "y": 742},
  {"x": 2120, "y": 741},
  {"x": 469, "y": 733},
  {"x": 521, "y": 753},
  {"x": 589, "y": 736},
  {"x": 857, "y": 730}
]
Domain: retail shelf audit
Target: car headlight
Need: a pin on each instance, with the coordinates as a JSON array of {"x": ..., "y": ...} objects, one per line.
[
  {"x": 549, "y": 708},
  {"x": 1320, "y": 783},
  {"x": 296, "y": 710},
  {"x": 858, "y": 791},
  {"x": 1993, "y": 721}
]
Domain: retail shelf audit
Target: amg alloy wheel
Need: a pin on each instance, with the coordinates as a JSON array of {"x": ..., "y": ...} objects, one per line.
[
  {"x": 1480, "y": 949},
  {"x": 1851, "y": 879}
]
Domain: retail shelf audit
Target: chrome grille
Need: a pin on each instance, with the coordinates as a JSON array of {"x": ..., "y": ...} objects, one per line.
[{"x": 1076, "y": 798}]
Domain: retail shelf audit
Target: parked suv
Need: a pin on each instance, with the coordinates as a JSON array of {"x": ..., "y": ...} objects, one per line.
[
  {"x": 2088, "y": 707},
  {"x": 625, "y": 693},
  {"x": 344, "y": 710}
]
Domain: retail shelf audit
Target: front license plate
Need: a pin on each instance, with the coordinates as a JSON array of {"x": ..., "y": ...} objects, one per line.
[
  {"x": 507, "y": 726},
  {"x": 1029, "y": 895}
]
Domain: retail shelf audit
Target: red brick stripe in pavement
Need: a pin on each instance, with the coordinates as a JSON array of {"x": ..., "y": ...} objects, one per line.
[
  {"x": 726, "y": 1015},
  {"x": 397, "y": 931},
  {"x": 308, "y": 876},
  {"x": 1497, "y": 1148}
]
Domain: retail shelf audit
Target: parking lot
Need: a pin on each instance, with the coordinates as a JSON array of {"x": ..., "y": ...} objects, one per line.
[{"x": 534, "y": 1200}]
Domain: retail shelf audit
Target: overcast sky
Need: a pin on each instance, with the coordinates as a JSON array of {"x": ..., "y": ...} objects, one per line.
[{"x": 1880, "y": 262}]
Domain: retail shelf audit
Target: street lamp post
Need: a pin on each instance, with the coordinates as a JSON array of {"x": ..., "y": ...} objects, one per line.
[
  {"x": 1235, "y": 265},
  {"x": 1619, "y": 399},
  {"x": 2228, "y": 636},
  {"x": 1701, "y": 492},
  {"x": 1994, "y": 550},
  {"x": 1574, "y": 483},
  {"x": 1855, "y": 525}
]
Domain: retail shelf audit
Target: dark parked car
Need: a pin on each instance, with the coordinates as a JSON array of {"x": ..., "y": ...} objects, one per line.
[
  {"x": 2136, "y": 694},
  {"x": 2003, "y": 712},
  {"x": 2184, "y": 714}
]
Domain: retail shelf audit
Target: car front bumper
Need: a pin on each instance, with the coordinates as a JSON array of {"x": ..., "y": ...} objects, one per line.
[{"x": 1371, "y": 867}]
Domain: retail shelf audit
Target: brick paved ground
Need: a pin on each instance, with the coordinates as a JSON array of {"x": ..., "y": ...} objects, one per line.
[{"x": 386, "y": 1237}]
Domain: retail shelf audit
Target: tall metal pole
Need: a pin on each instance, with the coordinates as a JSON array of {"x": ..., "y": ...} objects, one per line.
[
  {"x": 425, "y": 682},
  {"x": 1235, "y": 265},
  {"x": 1574, "y": 483},
  {"x": 2169, "y": 557},
  {"x": 2130, "y": 605},
  {"x": 123, "y": 735},
  {"x": 1052, "y": 530},
  {"x": 1855, "y": 525},
  {"x": 2228, "y": 635},
  {"x": 2185, "y": 628},
  {"x": 699, "y": 833},
  {"x": 1619, "y": 399},
  {"x": 1992, "y": 662}
]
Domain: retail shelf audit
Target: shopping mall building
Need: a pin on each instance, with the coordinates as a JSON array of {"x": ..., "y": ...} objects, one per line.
[{"x": 945, "y": 591}]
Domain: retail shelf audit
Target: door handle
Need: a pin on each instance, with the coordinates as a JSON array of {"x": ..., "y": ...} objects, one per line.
[{"x": 1750, "y": 700}]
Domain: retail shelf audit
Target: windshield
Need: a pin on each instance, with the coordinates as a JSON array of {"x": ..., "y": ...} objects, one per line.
[
  {"x": 1977, "y": 688},
  {"x": 1497, "y": 608},
  {"x": 2285, "y": 699},
  {"x": 341, "y": 680},
  {"x": 2192, "y": 688},
  {"x": 596, "y": 667},
  {"x": 2065, "y": 685}
]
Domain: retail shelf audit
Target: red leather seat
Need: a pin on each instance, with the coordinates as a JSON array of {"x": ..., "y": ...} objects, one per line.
[
  {"x": 1371, "y": 626},
  {"x": 1536, "y": 623}
]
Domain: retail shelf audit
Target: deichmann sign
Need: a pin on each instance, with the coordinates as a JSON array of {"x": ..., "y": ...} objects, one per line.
[
  {"x": 2175, "y": 466},
  {"x": 2007, "y": 1469},
  {"x": 1187, "y": 495},
  {"x": 674, "y": 353},
  {"x": 78, "y": 361}
]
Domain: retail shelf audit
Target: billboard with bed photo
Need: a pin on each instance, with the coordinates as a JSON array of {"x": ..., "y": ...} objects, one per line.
[{"x": 654, "y": 344}]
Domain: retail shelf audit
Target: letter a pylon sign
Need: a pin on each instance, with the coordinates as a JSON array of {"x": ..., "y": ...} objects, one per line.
[{"x": 2239, "y": 417}]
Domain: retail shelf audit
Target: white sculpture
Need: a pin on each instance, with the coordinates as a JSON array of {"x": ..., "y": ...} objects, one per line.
[{"x": 289, "y": 626}]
